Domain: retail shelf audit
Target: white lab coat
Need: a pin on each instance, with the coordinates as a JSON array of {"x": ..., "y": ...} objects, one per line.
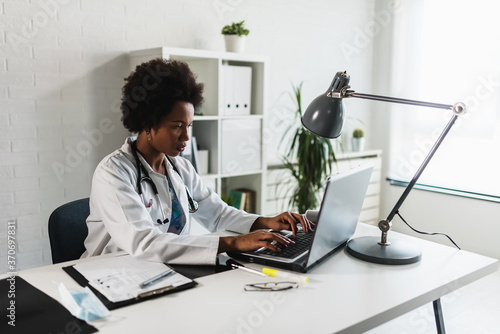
[{"x": 119, "y": 219}]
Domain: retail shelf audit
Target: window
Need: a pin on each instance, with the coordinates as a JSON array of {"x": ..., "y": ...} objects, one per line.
[{"x": 448, "y": 51}]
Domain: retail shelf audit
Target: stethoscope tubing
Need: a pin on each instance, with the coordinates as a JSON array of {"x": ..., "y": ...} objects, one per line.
[{"x": 193, "y": 205}]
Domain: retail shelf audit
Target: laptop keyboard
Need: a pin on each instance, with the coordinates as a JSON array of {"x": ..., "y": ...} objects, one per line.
[{"x": 302, "y": 243}]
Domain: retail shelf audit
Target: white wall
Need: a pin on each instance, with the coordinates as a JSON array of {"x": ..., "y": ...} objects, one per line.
[{"x": 62, "y": 65}]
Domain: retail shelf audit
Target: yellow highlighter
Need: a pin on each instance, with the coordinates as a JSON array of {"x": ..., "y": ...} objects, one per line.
[{"x": 285, "y": 275}]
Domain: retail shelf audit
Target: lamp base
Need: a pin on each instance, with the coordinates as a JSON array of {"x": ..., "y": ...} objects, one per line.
[{"x": 398, "y": 252}]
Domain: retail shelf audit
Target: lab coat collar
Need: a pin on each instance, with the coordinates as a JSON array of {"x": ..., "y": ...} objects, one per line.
[{"x": 175, "y": 178}]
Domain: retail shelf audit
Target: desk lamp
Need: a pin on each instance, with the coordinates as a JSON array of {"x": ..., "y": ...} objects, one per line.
[{"x": 325, "y": 117}]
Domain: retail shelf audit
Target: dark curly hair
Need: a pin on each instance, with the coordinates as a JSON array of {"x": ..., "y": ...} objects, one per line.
[{"x": 151, "y": 90}]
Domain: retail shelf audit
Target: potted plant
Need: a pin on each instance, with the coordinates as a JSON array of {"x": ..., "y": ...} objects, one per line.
[
  {"x": 358, "y": 140},
  {"x": 309, "y": 161},
  {"x": 234, "y": 36}
]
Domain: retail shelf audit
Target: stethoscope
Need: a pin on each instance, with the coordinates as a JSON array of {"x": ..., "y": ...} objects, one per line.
[{"x": 193, "y": 205}]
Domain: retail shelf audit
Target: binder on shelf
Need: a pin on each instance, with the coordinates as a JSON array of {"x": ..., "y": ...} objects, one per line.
[
  {"x": 188, "y": 151},
  {"x": 191, "y": 151},
  {"x": 237, "y": 90},
  {"x": 195, "y": 158},
  {"x": 228, "y": 89},
  {"x": 202, "y": 162}
]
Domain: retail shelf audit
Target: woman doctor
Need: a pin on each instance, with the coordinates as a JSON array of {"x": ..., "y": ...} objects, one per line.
[{"x": 143, "y": 194}]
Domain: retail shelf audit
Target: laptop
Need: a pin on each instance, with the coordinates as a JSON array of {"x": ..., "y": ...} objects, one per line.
[{"x": 335, "y": 222}]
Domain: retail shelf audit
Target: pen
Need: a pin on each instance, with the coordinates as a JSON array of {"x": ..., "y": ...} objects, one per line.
[
  {"x": 270, "y": 272},
  {"x": 234, "y": 265},
  {"x": 155, "y": 292},
  {"x": 156, "y": 278}
]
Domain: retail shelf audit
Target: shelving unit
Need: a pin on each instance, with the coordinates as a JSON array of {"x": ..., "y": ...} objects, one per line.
[{"x": 235, "y": 145}]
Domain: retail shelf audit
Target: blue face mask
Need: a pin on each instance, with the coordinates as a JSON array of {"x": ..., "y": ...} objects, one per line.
[{"x": 83, "y": 303}]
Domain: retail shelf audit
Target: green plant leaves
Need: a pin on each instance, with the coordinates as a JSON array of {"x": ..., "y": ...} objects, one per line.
[
  {"x": 309, "y": 161},
  {"x": 235, "y": 29}
]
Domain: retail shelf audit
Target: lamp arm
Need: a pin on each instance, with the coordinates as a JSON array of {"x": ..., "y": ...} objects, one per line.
[
  {"x": 385, "y": 225},
  {"x": 422, "y": 167},
  {"x": 458, "y": 109},
  {"x": 398, "y": 100}
]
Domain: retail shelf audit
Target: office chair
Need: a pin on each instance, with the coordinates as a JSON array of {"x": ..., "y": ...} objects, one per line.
[{"x": 68, "y": 230}]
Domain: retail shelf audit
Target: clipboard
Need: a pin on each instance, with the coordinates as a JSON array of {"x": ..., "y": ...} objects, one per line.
[{"x": 80, "y": 279}]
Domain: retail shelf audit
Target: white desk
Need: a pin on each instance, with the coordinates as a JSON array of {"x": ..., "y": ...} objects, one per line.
[{"x": 344, "y": 295}]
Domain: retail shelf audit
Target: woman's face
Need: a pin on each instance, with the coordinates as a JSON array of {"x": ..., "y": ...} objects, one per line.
[{"x": 171, "y": 135}]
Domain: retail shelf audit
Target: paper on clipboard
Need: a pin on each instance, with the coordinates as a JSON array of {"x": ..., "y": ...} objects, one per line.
[{"x": 118, "y": 278}]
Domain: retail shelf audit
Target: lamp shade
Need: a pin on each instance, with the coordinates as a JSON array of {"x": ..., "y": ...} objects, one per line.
[{"x": 325, "y": 115}]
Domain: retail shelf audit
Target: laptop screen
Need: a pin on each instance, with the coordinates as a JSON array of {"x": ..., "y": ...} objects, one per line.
[{"x": 340, "y": 208}]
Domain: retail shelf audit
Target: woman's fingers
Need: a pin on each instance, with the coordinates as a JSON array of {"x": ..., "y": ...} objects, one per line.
[
  {"x": 292, "y": 219},
  {"x": 307, "y": 225},
  {"x": 272, "y": 239},
  {"x": 264, "y": 238}
]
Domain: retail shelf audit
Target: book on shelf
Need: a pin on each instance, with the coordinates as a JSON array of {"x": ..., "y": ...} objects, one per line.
[
  {"x": 243, "y": 199},
  {"x": 191, "y": 151}
]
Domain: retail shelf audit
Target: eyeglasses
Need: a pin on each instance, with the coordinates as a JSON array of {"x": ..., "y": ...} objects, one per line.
[{"x": 271, "y": 286}]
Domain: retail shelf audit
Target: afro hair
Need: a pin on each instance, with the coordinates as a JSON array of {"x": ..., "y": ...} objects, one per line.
[{"x": 152, "y": 89}]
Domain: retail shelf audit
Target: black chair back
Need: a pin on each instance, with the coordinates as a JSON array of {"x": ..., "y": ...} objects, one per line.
[{"x": 68, "y": 230}]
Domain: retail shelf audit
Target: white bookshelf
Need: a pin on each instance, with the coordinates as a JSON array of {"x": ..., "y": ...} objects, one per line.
[{"x": 236, "y": 158}]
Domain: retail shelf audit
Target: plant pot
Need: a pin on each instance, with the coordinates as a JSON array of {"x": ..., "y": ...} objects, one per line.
[
  {"x": 235, "y": 43},
  {"x": 358, "y": 144}
]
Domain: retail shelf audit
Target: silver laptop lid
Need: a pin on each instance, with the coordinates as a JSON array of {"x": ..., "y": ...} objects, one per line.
[{"x": 340, "y": 208}]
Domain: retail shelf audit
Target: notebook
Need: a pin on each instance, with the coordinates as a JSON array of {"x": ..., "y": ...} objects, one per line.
[{"x": 335, "y": 221}]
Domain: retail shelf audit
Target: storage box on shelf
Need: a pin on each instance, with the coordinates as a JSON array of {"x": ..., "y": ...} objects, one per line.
[{"x": 230, "y": 122}]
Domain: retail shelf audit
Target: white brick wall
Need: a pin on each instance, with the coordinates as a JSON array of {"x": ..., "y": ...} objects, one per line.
[{"x": 62, "y": 64}]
